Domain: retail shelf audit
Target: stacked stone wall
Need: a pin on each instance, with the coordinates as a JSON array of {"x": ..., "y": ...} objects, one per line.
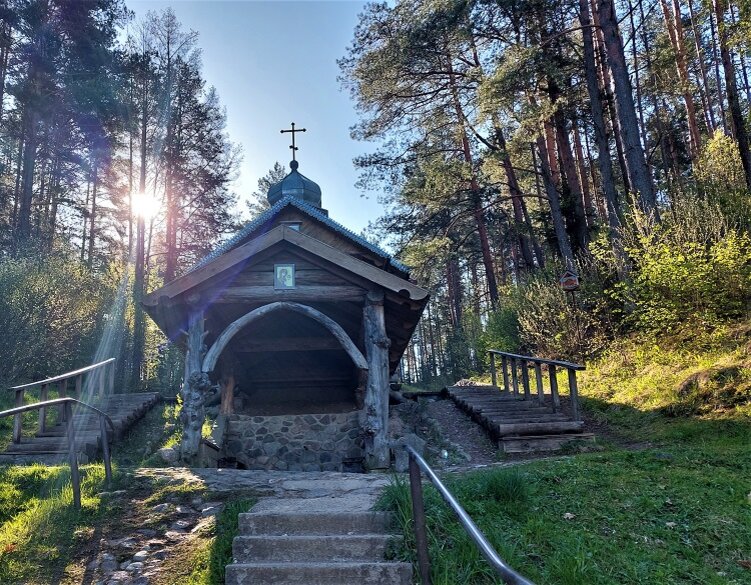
[{"x": 295, "y": 442}]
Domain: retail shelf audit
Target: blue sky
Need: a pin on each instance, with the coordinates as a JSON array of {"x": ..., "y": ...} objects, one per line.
[{"x": 273, "y": 63}]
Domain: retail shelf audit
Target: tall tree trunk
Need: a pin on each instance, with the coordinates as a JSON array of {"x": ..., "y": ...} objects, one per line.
[
  {"x": 601, "y": 136},
  {"x": 636, "y": 163},
  {"x": 526, "y": 236},
  {"x": 709, "y": 115},
  {"x": 674, "y": 27},
  {"x": 92, "y": 222},
  {"x": 27, "y": 177},
  {"x": 564, "y": 247},
  {"x": 736, "y": 114},
  {"x": 718, "y": 77}
]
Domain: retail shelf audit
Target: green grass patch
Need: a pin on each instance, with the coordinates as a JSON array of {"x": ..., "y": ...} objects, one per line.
[
  {"x": 40, "y": 528},
  {"x": 681, "y": 515},
  {"x": 210, "y": 561}
]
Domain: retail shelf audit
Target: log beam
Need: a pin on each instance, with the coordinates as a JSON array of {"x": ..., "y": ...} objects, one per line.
[
  {"x": 376, "y": 403},
  {"x": 195, "y": 386}
]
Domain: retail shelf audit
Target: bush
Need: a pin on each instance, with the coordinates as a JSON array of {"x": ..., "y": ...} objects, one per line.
[
  {"x": 50, "y": 314},
  {"x": 684, "y": 275}
]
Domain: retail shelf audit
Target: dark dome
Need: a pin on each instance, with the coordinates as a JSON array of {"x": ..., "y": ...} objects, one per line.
[{"x": 298, "y": 186}]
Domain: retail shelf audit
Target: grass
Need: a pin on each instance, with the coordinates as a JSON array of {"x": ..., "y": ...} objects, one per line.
[
  {"x": 668, "y": 501},
  {"x": 40, "y": 529},
  {"x": 210, "y": 561}
]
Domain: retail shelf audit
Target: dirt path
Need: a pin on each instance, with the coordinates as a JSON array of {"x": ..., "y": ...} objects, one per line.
[{"x": 456, "y": 426}]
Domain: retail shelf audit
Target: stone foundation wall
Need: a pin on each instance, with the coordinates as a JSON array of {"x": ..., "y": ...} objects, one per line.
[{"x": 294, "y": 442}]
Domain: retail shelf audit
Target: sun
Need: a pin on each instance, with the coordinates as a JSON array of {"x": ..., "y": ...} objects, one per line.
[{"x": 144, "y": 205}]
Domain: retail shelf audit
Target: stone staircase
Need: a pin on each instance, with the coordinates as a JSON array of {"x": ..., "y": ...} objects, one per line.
[
  {"x": 519, "y": 425},
  {"x": 50, "y": 446},
  {"x": 322, "y": 541}
]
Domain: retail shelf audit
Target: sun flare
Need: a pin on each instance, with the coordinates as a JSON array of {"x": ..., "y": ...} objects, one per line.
[{"x": 144, "y": 205}]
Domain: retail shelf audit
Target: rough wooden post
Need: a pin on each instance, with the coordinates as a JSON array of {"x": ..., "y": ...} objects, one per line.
[
  {"x": 504, "y": 365},
  {"x": 101, "y": 371},
  {"x": 525, "y": 379},
  {"x": 538, "y": 383},
  {"x": 376, "y": 407},
  {"x": 227, "y": 393},
  {"x": 17, "y": 417},
  {"x": 75, "y": 477},
  {"x": 79, "y": 386},
  {"x": 195, "y": 386},
  {"x": 574, "y": 393},
  {"x": 63, "y": 393},
  {"x": 514, "y": 377},
  {"x": 43, "y": 396},
  {"x": 111, "y": 384},
  {"x": 554, "y": 388},
  {"x": 493, "y": 375}
]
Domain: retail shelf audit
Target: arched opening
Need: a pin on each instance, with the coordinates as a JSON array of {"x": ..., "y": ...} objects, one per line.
[{"x": 288, "y": 358}]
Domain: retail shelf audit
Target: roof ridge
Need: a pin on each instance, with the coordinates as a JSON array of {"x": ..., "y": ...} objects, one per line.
[{"x": 269, "y": 213}]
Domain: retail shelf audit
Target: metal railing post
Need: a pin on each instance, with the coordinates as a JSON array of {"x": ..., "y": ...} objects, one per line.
[
  {"x": 418, "y": 519},
  {"x": 75, "y": 477},
  {"x": 111, "y": 388}
]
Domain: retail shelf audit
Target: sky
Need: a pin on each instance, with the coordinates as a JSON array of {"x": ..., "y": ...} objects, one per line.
[{"x": 272, "y": 63}]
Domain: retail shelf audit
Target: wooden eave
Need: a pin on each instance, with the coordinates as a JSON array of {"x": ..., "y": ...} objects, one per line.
[{"x": 224, "y": 263}]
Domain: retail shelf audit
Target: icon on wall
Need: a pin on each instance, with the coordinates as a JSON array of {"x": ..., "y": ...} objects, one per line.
[{"x": 284, "y": 276}]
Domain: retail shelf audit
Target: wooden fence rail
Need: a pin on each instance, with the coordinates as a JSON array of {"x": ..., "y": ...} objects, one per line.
[
  {"x": 101, "y": 376},
  {"x": 513, "y": 362},
  {"x": 67, "y": 405}
]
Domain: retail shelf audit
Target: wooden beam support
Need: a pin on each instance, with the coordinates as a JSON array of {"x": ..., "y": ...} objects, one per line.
[
  {"x": 376, "y": 404},
  {"x": 195, "y": 385},
  {"x": 310, "y": 293}
]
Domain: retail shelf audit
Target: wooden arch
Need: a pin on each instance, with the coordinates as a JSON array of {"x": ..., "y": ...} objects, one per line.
[{"x": 233, "y": 328}]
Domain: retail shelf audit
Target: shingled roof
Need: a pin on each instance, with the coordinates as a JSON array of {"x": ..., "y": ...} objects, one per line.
[{"x": 265, "y": 218}]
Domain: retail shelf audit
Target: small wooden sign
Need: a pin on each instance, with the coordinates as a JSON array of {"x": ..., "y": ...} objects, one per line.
[{"x": 569, "y": 281}]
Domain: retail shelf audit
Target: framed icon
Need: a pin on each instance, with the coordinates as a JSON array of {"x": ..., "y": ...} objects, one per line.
[{"x": 284, "y": 276}]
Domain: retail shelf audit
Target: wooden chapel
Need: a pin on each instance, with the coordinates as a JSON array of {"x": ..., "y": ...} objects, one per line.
[{"x": 301, "y": 323}]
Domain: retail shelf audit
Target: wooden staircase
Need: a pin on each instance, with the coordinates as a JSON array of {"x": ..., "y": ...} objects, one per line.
[
  {"x": 51, "y": 444},
  {"x": 519, "y": 425}
]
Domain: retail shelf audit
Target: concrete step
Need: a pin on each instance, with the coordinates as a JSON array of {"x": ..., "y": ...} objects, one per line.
[
  {"x": 313, "y": 523},
  {"x": 312, "y": 573},
  {"x": 310, "y": 548}
]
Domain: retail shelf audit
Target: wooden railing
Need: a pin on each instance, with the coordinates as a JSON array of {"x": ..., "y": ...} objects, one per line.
[
  {"x": 511, "y": 362},
  {"x": 67, "y": 406},
  {"x": 101, "y": 377}
]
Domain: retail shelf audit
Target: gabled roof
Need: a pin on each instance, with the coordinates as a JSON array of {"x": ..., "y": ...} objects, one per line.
[
  {"x": 268, "y": 215},
  {"x": 236, "y": 256}
]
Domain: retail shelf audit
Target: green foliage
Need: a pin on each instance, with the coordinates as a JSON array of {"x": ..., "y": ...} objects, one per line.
[
  {"x": 51, "y": 315},
  {"x": 212, "y": 560},
  {"x": 678, "y": 280},
  {"x": 40, "y": 528},
  {"x": 719, "y": 176}
]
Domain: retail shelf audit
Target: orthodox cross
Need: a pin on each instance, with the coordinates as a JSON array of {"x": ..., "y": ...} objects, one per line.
[{"x": 293, "y": 130}]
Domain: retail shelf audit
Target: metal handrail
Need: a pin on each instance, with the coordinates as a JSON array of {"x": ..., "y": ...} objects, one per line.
[
  {"x": 64, "y": 376},
  {"x": 417, "y": 463},
  {"x": 67, "y": 404}
]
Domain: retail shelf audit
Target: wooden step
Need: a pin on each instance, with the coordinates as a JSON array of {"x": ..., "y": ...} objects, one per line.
[
  {"x": 537, "y": 428},
  {"x": 536, "y": 443}
]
